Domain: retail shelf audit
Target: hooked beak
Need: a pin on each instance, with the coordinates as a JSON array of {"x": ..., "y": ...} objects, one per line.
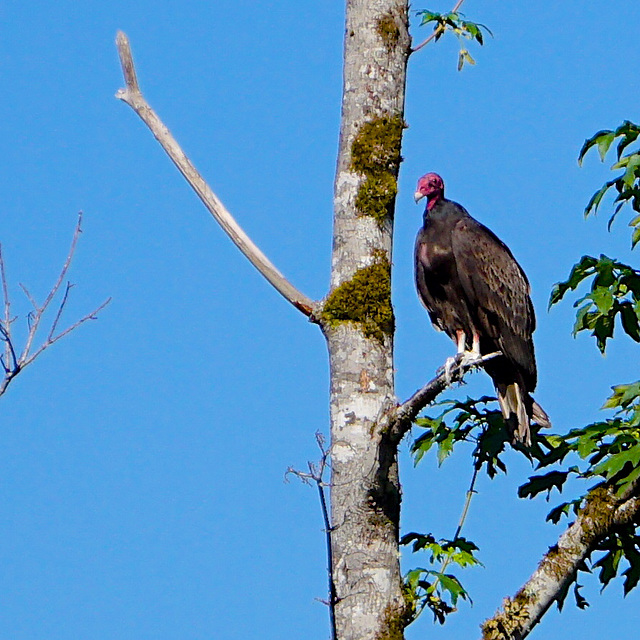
[{"x": 417, "y": 196}]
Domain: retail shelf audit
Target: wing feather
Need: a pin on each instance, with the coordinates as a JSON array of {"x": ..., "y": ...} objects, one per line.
[{"x": 498, "y": 289}]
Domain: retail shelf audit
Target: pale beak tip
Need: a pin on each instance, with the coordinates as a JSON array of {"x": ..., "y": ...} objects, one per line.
[{"x": 417, "y": 196}]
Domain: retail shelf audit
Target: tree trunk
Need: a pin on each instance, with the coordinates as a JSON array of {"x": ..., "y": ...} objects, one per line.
[{"x": 357, "y": 320}]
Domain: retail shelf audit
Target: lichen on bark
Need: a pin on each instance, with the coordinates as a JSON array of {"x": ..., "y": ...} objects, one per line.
[
  {"x": 388, "y": 30},
  {"x": 394, "y": 624},
  {"x": 375, "y": 153},
  {"x": 364, "y": 299},
  {"x": 510, "y": 619}
]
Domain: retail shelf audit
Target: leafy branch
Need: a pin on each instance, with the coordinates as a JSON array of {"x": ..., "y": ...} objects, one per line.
[
  {"x": 476, "y": 423},
  {"x": 627, "y": 183},
  {"x": 454, "y": 22},
  {"x": 615, "y": 291},
  {"x": 611, "y": 450}
]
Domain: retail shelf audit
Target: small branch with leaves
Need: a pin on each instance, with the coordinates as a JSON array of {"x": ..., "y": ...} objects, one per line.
[
  {"x": 14, "y": 360},
  {"x": 132, "y": 95},
  {"x": 316, "y": 476},
  {"x": 455, "y": 23}
]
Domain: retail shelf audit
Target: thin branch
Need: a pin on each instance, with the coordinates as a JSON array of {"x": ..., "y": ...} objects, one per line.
[
  {"x": 11, "y": 362},
  {"x": 134, "y": 98},
  {"x": 39, "y": 310},
  {"x": 602, "y": 513},
  {"x": 52, "y": 340},
  {"x": 6, "y": 330},
  {"x": 438, "y": 30},
  {"x": 465, "y": 510},
  {"x": 54, "y": 324},
  {"x": 400, "y": 419},
  {"x": 316, "y": 473}
]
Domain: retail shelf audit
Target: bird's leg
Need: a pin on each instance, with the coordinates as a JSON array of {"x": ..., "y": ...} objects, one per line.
[
  {"x": 469, "y": 357},
  {"x": 452, "y": 361},
  {"x": 475, "y": 348},
  {"x": 461, "y": 340}
]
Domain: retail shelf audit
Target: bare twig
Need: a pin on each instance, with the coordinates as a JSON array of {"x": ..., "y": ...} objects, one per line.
[
  {"x": 134, "y": 98},
  {"x": 39, "y": 310},
  {"x": 438, "y": 30},
  {"x": 447, "y": 561},
  {"x": 6, "y": 329},
  {"x": 400, "y": 419},
  {"x": 11, "y": 362},
  {"x": 602, "y": 514},
  {"x": 316, "y": 474}
]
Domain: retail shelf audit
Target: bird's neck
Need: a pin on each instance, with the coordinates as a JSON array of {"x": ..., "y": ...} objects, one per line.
[
  {"x": 433, "y": 200},
  {"x": 434, "y": 205}
]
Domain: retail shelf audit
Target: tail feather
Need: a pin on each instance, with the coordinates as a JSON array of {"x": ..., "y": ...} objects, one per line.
[
  {"x": 540, "y": 416},
  {"x": 519, "y": 410}
]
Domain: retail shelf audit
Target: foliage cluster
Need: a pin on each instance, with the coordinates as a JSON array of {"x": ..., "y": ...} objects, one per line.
[{"x": 464, "y": 30}]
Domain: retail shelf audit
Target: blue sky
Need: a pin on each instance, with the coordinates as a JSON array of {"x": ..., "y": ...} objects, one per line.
[{"x": 142, "y": 459}]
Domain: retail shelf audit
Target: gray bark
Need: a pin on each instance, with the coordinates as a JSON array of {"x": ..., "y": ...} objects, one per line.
[{"x": 365, "y": 491}]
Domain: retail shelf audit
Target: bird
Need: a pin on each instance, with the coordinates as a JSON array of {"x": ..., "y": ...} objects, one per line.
[{"x": 476, "y": 292}]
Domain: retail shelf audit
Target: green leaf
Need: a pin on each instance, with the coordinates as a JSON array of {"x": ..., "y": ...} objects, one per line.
[
  {"x": 563, "y": 510},
  {"x": 604, "y": 142},
  {"x": 630, "y": 321},
  {"x": 590, "y": 142},
  {"x": 451, "y": 584},
  {"x": 581, "y": 601},
  {"x": 546, "y": 482},
  {"x": 603, "y": 298},
  {"x": 579, "y": 272},
  {"x": 445, "y": 448},
  {"x": 609, "y": 566},
  {"x": 596, "y": 198}
]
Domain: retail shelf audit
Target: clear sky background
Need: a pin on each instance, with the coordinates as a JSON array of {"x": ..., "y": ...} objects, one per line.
[{"x": 142, "y": 459}]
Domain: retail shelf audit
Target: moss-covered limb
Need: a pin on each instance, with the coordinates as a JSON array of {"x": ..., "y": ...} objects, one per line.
[
  {"x": 365, "y": 299},
  {"x": 375, "y": 153},
  {"x": 602, "y": 514}
]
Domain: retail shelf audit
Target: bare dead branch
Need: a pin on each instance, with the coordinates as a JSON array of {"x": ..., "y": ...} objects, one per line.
[
  {"x": 400, "y": 419},
  {"x": 53, "y": 339},
  {"x": 316, "y": 474},
  {"x": 602, "y": 513},
  {"x": 134, "y": 98},
  {"x": 54, "y": 324},
  {"x": 39, "y": 310},
  {"x": 6, "y": 329},
  {"x": 12, "y": 363}
]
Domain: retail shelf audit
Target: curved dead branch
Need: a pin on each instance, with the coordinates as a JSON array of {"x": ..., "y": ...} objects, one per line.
[{"x": 134, "y": 98}]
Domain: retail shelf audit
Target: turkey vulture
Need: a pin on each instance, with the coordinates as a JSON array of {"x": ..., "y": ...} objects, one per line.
[{"x": 476, "y": 292}]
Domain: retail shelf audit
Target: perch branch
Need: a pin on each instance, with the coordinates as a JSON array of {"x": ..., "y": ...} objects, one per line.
[
  {"x": 132, "y": 95},
  {"x": 439, "y": 29},
  {"x": 11, "y": 362},
  {"x": 602, "y": 513},
  {"x": 401, "y": 418}
]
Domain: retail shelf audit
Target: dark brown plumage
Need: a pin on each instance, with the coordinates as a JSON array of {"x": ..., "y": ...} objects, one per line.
[{"x": 476, "y": 292}]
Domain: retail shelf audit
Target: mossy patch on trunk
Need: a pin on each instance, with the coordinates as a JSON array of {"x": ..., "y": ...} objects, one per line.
[
  {"x": 365, "y": 299},
  {"x": 375, "y": 153}
]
